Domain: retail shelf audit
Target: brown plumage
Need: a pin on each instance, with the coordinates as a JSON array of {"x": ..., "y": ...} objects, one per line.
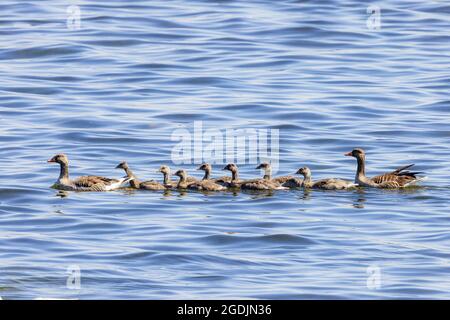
[
  {"x": 167, "y": 182},
  {"x": 183, "y": 183},
  {"x": 136, "y": 183},
  {"x": 325, "y": 184},
  {"x": 206, "y": 167},
  {"x": 253, "y": 184},
  {"x": 85, "y": 183},
  {"x": 234, "y": 182},
  {"x": 207, "y": 183},
  {"x": 285, "y": 181},
  {"x": 398, "y": 178}
]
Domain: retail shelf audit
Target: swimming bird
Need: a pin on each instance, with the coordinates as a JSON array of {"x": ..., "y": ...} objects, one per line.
[
  {"x": 398, "y": 178},
  {"x": 252, "y": 184},
  {"x": 234, "y": 182},
  {"x": 206, "y": 184},
  {"x": 165, "y": 170},
  {"x": 183, "y": 183},
  {"x": 85, "y": 183},
  {"x": 206, "y": 167},
  {"x": 326, "y": 184},
  {"x": 136, "y": 183},
  {"x": 285, "y": 181}
]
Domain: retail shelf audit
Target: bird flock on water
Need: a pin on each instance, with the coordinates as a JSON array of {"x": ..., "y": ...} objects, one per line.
[{"x": 399, "y": 178}]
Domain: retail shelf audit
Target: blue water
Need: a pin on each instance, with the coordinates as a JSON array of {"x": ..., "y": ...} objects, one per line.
[{"x": 118, "y": 86}]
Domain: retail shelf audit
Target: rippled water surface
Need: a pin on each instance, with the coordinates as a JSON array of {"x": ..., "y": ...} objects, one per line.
[{"x": 117, "y": 88}]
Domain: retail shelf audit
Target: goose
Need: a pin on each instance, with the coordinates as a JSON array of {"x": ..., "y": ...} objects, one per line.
[
  {"x": 165, "y": 170},
  {"x": 207, "y": 176},
  {"x": 167, "y": 182},
  {"x": 205, "y": 184},
  {"x": 398, "y": 178},
  {"x": 234, "y": 182},
  {"x": 85, "y": 183},
  {"x": 136, "y": 184},
  {"x": 253, "y": 184},
  {"x": 326, "y": 184},
  {"x": 285, "y": 181},
  {"x": 183, "y": 183}
]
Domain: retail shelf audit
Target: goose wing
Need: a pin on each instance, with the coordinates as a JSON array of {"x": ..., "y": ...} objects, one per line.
[
  {"x": 293, "y": 182},
  {"x": 397, "y": 178},
  {"x": 151, "y": 185},
  {"x": 333, "y": 184},
  {"x": 223, "y": 179},
  {"x": 206, "y": 185},
  {"x": 95, "y": 183},
  {"x": 191, "y": 179},
  {"x": 261, "y": 184}
]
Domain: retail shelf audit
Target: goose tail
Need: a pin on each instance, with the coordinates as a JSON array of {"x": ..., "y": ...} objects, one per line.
[
  {"x": 122, "y": 182},
  {"x": 352, "y": 185},
  {"x": 414, "y": 182}
]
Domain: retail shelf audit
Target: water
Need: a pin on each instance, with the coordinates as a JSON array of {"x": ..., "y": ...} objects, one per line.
[{"x": 118, "y": 87}]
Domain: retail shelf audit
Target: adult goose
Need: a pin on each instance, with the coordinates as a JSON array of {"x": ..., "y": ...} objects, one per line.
[
  {"x": 285, "y": 181},
  {"x": 398, "y": 178},
  {"x": 136, "y": 183},
  {"x": 325, "y": 184},
  {"x": 85, "y": 183},
  {"x": 253, "y": 184}
]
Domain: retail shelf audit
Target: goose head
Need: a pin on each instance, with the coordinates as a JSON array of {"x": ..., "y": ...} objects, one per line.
[
  {"x": 181, "y": 173},
  {"x": 122, "y": 165},
  {"x": 205, "y": 167},
  {"x": 267, "y": 169},
  {"x": 59, "y": 158},
  {"x": 164, "y": 170},
  {"x": 264, "y": 166},
  {"x": 305, "y": 171},
  {"x": 231, "y": 167},
  {"x": 357, "y": 153}
]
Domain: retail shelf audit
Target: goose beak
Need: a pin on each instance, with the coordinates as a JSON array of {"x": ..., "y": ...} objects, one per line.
[
  {"x": 50, "y": 160},
  {"x": 117, "y": 167},
  {"x": 348, "y": 154},
  {"x": 258, "y": 167}
]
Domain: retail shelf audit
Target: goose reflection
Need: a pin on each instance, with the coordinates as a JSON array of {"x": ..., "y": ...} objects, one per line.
[{"x": 360, "y": 198}]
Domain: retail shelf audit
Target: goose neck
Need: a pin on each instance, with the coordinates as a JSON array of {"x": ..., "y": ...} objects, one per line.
[
  {"x": 267, "y": 174},
  {"x": 207, "y": 174},
  {"x": 361, "y": 170},
  {"x": 234, "y": 175},
  {"x": 64, "y": 171},
  {"x": 166, "y": 177},
  {"x": 307, "y": 179},
  {"x": 135, "y": 183}
]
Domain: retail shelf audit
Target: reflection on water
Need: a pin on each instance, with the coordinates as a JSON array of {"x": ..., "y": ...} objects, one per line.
[
  {"x": 116, "y": 89},
  {"x": 360, "y": 199}
]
